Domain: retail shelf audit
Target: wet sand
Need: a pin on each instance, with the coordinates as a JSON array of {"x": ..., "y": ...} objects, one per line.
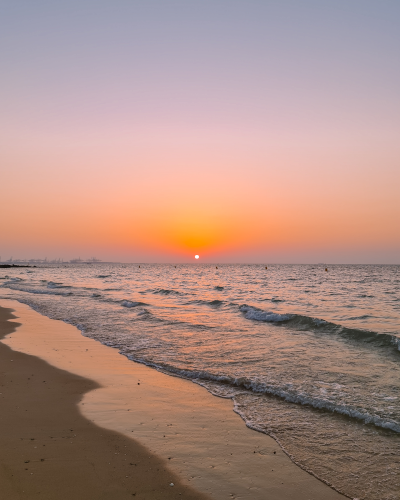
[{"x": 123, "y": 413}]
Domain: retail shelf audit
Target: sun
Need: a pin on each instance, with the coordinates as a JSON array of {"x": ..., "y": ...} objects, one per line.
[{"x": 196, "y": 256}]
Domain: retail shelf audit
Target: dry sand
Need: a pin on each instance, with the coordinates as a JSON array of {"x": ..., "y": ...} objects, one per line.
[{"x": 171, "y": 430}]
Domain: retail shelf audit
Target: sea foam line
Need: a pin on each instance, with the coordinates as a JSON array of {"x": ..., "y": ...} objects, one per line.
[{"x": 261, "y": 388}]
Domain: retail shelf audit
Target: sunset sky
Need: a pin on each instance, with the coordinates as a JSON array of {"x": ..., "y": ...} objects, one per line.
[{"x": 242, "y": 131}]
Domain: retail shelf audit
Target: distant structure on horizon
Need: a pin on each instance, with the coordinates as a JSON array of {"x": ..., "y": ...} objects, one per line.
[
  {"x": 80, "y": 261},
  {"x": 54, "y": 261}
]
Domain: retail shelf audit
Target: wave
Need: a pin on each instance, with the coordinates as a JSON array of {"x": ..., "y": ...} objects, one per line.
[
  {"x": 37, "y": 291},
  {"x": 219, "y": 288},
  {"x": 301, "y": 322},
  {"x": 52, "y": 284},
  {"x": 164, "y": 291},
  {"x": 213, "y": 303},
  {"x": 129, "y": 303},
  {"x": 270, "y": 390},
  {"x": 259, "y": 315},
  {"x": 103, "y": 276}
]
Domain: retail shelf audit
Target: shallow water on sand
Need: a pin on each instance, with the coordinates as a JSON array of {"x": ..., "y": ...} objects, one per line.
[{"x": 309, "y": 356}]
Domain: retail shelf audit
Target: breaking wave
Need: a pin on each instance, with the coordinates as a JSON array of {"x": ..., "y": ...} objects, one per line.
[
  {"x": 130, "y": 303},
  {"x": 301, "y": 322},
  {"x": 259, "y": 315}
]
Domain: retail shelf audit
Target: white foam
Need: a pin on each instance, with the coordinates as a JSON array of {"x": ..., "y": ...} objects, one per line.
[
  {"x": 259, "y": 315},
  {"x": 129, "y": 303}
]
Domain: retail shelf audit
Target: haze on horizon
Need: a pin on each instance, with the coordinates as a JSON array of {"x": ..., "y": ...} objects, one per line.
[{"x": 243, "y": 131}]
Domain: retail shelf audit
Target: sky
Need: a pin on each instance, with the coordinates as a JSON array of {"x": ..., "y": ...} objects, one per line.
[{"x": 249, "y": 131}]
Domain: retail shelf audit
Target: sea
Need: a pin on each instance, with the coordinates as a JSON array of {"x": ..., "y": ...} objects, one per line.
[{"x": 309, "y": 354}]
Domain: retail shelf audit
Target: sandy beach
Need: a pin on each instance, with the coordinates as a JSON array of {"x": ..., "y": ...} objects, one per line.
[
  {"x": 49, "y": 450},
  {"x": 78, "y": 420}
]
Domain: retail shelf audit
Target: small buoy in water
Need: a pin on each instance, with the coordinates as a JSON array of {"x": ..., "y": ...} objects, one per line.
[
  {"x": 326, "y": 269},
  {"x": 266, "y": 267},
  {"x": 139, "y": 266},
  {"x": 175, "y": 267},
  {"x": 216, "y": 267}
]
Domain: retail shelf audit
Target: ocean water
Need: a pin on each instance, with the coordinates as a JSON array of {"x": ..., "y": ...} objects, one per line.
[{"x": 310, "y": 357}]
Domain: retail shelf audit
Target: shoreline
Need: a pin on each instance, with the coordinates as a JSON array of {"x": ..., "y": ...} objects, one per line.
[
  {"x": 51, "y": 451},
  {"x": 194, "y": 436}
]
